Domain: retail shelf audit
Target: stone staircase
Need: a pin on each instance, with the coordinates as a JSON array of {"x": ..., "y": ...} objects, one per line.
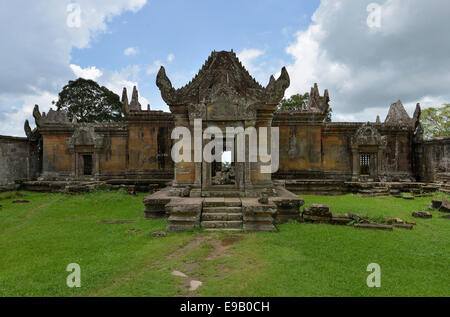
[
  {"x": 374, "y": 191},
  {"x": 222, "y": 214}
]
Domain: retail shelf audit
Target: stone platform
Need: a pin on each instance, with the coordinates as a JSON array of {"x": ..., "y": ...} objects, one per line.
[
  {"x": 364, "y": 188},
  {"x": 223, "y": 213}
]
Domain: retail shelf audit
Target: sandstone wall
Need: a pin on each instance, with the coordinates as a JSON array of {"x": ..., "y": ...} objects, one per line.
[
  {"x": 16, "y": 160},
  {"x": 433, "y": 160}
]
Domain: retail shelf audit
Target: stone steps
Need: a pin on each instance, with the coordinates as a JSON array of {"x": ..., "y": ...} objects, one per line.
[
  {"x": 222, "y": 224},
  {"x": 222, "y": 217},
  {"x": 223, "y": 209},
  {"x": 222, "y": 214},
  {"x": 222, "y": 202},
  {"x": 374, "y": 192},
  {"x": 221, "y": 193},
  {"x": 224, "y": 230}
]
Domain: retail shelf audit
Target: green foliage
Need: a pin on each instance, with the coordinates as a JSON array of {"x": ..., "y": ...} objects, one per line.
[
  {"x": 299, "y": 102},
  {"x": 295, "y": 102},
  {"x": 436, "y": 121},
  {"x": 329, "y": 115},
  {"x": 89, "y": 102}
]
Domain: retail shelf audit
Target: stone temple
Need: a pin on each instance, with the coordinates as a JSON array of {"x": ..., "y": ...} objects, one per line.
[{"x": 314, "y": 156}]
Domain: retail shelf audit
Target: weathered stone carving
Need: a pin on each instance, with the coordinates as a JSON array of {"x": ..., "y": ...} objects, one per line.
[
  {"x": 368, "y": 135},
  {"x": 416, "y": 117},
  {"x": 276, "y": 88},
  {"x": 316, "y": 101},
  {"x": 53, "y": 117},
  {"x": 293, "y": 151},
  {"x": 168, "y": 93},
  {"x": 86, "y": 136},
  {"x": 223, "y": 78},
  {"x": 397, "y": 115},
  {"x": 134, "y": 104}
]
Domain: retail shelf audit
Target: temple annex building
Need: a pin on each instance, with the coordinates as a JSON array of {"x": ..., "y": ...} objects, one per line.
[{"x": 371, "y": 158}]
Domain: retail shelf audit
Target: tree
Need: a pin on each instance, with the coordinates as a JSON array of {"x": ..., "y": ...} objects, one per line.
[
  {"x": 295, "y": 102},
  {"x": 300, "y": 102},
  {"x": 436, "y": 121},
  {"x": 87, "y": 101}
]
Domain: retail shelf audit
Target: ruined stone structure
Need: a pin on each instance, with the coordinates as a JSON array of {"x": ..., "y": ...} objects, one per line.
[{"x": 315, "y": 156}]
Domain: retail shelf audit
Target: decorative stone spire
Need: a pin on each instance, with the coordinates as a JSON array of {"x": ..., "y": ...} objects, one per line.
[
  {"x": 317, "y": 102},
  {"x": 134, "y": 104},
  {"x": 397, "y": 115},
  {"x": 378, "y": 120},
  {"x": 416, "y": 117},
  {"x": 27, "y": 129}
]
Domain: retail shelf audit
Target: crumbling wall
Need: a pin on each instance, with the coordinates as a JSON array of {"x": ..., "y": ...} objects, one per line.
[
  {"x": 433, "y": 160},
  {"x": 15, "y": 160}
]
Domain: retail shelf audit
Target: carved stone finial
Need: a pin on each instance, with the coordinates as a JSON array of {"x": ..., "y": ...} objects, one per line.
[
  {"x": 125, "y": 100},
  {"x": 37, "y": 115},
  {"x": 317, "y": 102},
  {"x": 276, "y": 88},
  {"x": 416, "y": 117},
  {"x": 134, "y": 104},
  {"x": 165, "y": 86},
  {"x": 27, "y": 129}
]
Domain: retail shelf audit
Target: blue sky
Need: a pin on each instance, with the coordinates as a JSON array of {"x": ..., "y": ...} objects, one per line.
[
  {"x": 366, "y": 66},
  {"x": 190, "y": 30}
]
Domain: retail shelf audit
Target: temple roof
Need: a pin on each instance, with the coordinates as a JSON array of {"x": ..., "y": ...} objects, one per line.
[
  {"x": 397, "y": 115},
  {"x": 221, "y": 72}
]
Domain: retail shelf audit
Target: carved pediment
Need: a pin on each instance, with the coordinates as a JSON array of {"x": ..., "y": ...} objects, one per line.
[
  {"x": 53, "y": 117},
  {"x": 86, "y": 136},
  {"x": 223, "y": 77},
  {"x": 368, "y": 135}
]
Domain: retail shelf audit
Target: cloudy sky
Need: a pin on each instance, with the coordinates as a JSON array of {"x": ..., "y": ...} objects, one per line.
[{"x": 368, "y": 53}]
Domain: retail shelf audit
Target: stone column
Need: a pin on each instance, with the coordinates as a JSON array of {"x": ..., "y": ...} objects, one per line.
[{"x": 355, "y": 167}]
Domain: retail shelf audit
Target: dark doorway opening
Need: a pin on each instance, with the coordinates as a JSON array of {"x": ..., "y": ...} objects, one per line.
[
  {"x": 87, "y": 164},
  {"x": 364, "y": 162}
]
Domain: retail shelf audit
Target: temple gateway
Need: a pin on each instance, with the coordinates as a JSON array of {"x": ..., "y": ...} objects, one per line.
[{"x": 314, "y": 156}]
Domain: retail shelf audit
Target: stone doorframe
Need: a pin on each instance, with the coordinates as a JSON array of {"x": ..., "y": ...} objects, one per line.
[
  {"x": 85, "y": 141},
  {"x": 203, "y": 170},
  {"x": 368, "y": 140}
]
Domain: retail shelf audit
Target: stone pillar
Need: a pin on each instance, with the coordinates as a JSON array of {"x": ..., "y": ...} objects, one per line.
[{"x": 355, "y": 167}]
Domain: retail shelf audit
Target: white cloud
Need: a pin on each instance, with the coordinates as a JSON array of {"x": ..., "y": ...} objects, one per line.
[
  {"x": 249, "y": 57},
  {"x": 37, "y": 61},
  {"x": 170, "y": 58},
  {"x": 153, "y": 69},
  {"x": 366, "y": 69},
  {"x": 86, "y": 73},
  {"x": 130, "y": 51}
]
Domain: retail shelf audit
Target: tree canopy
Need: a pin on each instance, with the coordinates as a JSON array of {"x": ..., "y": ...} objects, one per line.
[
  {"x": 87, "y": 101},
  {"x": 300, "y": 102},
  {"x": 436, "y": 121}
]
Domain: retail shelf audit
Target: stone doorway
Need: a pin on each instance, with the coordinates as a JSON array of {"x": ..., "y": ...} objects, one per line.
[
  {"x": 87, "y": 160},
  {"x": 364, "y": 160},
  {"x": 223, "y": 171}
]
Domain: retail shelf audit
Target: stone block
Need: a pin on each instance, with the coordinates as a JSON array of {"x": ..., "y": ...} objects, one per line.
[
  {"x": 404, "y": 226},
  {"x": 422, "y": 214},
  {"x": 436, "y": 204},
  {"x": 445, "y": 207},
  {"x": 373, "y": 226},
  {"x": 318, "y": 211}
]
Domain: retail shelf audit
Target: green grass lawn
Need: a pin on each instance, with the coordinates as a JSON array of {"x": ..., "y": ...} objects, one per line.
[{"x": 38, "y": 240}]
